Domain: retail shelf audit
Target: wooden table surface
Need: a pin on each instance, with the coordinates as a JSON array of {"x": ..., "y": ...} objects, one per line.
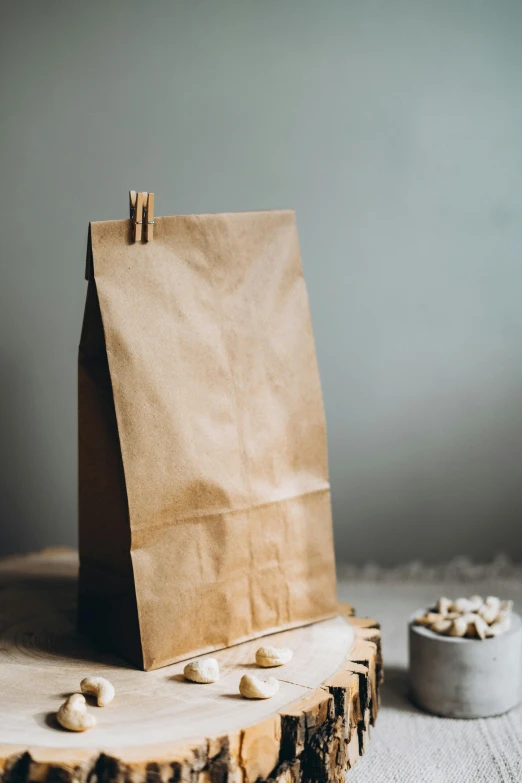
[{"x": 314, "y": 728}]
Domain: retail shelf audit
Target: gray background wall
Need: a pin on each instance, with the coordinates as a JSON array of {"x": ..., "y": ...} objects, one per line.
[{"x": 394, "y": 129}]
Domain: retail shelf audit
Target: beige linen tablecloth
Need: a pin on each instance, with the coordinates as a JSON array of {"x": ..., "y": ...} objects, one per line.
[{"x": 409, "y": 746}]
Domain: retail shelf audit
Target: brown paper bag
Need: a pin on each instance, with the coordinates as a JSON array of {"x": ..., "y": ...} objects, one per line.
[{"x": 204, "y": 498}]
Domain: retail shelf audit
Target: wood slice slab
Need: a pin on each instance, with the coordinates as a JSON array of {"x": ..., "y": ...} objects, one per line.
[{"x": 161, "y": 728}]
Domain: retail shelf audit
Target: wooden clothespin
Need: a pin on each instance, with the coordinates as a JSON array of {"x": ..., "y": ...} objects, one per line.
[
  {"x": 141, "y": 209},
  {"x": 149, "y": 217}
]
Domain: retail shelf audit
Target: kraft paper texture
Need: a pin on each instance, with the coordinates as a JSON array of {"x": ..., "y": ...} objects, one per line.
[{"x": 204, "y": 498}]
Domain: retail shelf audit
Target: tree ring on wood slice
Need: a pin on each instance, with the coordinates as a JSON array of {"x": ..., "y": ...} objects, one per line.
[{"x": 161, "y": 727}]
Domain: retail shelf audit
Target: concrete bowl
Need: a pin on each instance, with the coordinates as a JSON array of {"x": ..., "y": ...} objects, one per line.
[{"x": 465, "y": 678}]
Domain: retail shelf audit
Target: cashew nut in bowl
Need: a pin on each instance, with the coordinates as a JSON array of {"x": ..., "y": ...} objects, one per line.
[
  {"x": 444, "y": 606},
  {"x": 459, "y": 626},
  {"x": 273, "y": 656},
  {"x": 490, "y": 609},
  {"x": 481, "y": 626},
  {"x": 73, "y": 714},
  {"x": 500, "y": 627},
  {"x": 441, "y": 626},
  {"x": 468, "y": 617},
  {"x": 464, "y": 605},
  {"x": 99, "y": 687},
  {"x": 476, "y": 602},
  {"x": 204, "y": 671},
  {"x": 251, "y": 687},
  {"x": 429, "y": 618}
]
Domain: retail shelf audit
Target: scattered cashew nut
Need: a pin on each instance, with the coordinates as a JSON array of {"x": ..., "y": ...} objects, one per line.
[
  {"x": 273, "y": 656},
  {"x": 99, "y": 687},
  {"x": 206, "y": 670},
  {"x": 251, "y": 687},
  {"x": 73, "y": 714}
]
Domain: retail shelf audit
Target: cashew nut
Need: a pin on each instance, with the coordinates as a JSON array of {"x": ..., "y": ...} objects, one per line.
[
  {"x": 73, "y": 714},
  {"x": 471, "y": 617},
  {"x": 481, "y": 626},
  {"x": 99, "y": 687},
  {"x": 444, "y": 606},
  {"x": 500, "y": 627},
  {"x": 490, "y": 609},
  {"x": 429, "y": 618},
  {"x": 206, "y": 670},
  {"x": 477, "y": 626},
  {"x": 503, "y": 622},
  {"x": 273, "y": 656},
  {"x": 459, "y": 626},
  {"x": 463, "y": 605},
  {"x": 476, "y": 602},
  {"x": 251, "y": 687},
  {"x": 442, "y": 626}
]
